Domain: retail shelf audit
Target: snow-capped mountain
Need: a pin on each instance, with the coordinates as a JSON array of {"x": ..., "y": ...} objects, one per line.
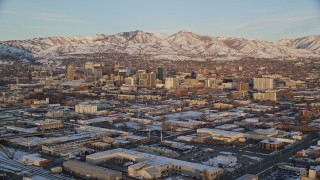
[
  {"x": 10, "y": 52},
  {"x": 181, "y": 44},
  {"x": 311, "y": 43}
]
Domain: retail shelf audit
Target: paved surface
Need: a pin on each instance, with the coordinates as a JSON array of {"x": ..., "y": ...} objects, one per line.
[{"x": 273, "y": 159}]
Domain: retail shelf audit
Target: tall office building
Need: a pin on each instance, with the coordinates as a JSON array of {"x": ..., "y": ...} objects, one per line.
[
  {"x": 97, "y": 73},
  {"x": 262, "y": 83},
  {"x": 151, "y": 79},
  {"x": 213, "y": 83},
  {"x": 161, "y": 73},
  {"x": 70, "y": 73},
  {"x": 143, "y": 79},
  {"x": 89, "y": 75},
  {"x": 130, "y": 81},
  {"x": 109, "y": 71},
  {"x": 171, "y": 83},
  {"x": 147, "y": 79}
]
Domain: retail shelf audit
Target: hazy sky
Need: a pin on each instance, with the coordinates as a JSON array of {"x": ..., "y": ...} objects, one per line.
[{"x": 259, "y": 19}]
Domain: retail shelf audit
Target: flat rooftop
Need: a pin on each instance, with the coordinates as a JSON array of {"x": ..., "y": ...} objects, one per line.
[
  {"x": 151, "y": 157},
  {"x": 218, "y": 131}
]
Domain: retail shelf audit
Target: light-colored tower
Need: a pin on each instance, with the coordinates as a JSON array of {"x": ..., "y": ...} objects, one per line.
[
  {"x": 171, "y": 83},
  {"x": 151, "y": 79},
  {"x": 262, "y": 83},
  {"x": 70, "y": 73}
]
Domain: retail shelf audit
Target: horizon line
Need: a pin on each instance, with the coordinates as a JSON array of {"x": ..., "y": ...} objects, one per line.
[{"x": 152, "y": 32}]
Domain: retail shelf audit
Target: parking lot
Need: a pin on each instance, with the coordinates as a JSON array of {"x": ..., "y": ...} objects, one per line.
[
  {"x": 246, "y": 153},
  {"x": 276, "y": 173}
]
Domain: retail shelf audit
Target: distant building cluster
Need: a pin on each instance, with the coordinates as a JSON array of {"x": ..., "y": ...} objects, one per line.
[{"x": 87, "y": 118}]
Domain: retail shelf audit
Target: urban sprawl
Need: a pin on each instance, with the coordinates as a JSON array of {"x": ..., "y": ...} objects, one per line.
[{"x": 244, "y": 119}]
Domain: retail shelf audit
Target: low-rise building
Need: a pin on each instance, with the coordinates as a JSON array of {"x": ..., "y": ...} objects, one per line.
[
  {"x": 34, "y": 159},
  {"x": 102, "y": 130},
  {"x": 86, "y": 108},
  {"x": 314, "y": 173},
  {"x": 49, "y": 124},
  {"x": 222, "y": 106},
  {"x": 265, "y": 96},
  {"x": 271, "y": 144},
  {"x": 185, "y": 124},
  {"x": 93, "y": 171},
  {"x": 226, "y": 136},
  {"x": 152, "y": 166},
  {"x": 55, "y": 114}
]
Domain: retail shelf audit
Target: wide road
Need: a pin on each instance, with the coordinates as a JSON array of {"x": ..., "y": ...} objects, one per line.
[{"x": 273, "y": 159}]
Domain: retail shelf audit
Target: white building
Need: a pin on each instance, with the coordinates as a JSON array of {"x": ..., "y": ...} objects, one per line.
[{"x": 86, "y": 108}]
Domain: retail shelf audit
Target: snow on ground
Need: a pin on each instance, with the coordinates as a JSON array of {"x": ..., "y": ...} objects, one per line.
[
  {"x": 154, "y": 127},
  {"x": 4, "y": 62},
  {"x": 118, "y": 125},
  {"x": 183, "y": 115},
  {"x": 133, "y": 125},
  {"x": 174, "y": 57},
  {"x": 17, "y": 154},
  {"x": 253, "y": 157},
  {"x": 227, "y": 153},
  {"x": 176, "y": 178}
]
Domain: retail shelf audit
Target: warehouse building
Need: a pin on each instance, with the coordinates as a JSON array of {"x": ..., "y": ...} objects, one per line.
[
  {"x": 150, "y": 166},
  {"x": 94, "y": 172},
  {"x": 221, "y": 135}
]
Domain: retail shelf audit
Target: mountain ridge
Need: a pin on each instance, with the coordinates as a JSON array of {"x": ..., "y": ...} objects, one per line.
[{"x": 183, "y": 43}]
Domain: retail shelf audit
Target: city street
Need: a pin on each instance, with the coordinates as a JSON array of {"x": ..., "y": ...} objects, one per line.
[{"x": 273, "y": 159}]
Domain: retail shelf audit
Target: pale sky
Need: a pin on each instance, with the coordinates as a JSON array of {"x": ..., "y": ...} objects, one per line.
[{"x": 258, "y": 19}]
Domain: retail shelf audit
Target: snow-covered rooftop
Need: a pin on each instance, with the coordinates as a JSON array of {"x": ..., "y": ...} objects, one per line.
[{"x": 151, "y": 157}]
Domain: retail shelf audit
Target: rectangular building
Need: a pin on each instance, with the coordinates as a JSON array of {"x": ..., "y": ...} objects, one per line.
[
  {"x": 151, "y": 166},
  {"x": 262, "y": 83},
  {"x": 265, "y": 96},
  {"x": 171, "y": 83},
  {"x": 86, "y": 108},
  {"x": 95, "y": 172}
]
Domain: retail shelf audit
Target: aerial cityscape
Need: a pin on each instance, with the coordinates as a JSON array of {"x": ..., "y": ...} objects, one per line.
[{"x": 238, "y": 99}]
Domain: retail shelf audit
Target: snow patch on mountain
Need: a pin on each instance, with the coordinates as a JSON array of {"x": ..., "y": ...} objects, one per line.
[
  {"x": 183, "y": 45},
  {"x": 7, "y": 51}
]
